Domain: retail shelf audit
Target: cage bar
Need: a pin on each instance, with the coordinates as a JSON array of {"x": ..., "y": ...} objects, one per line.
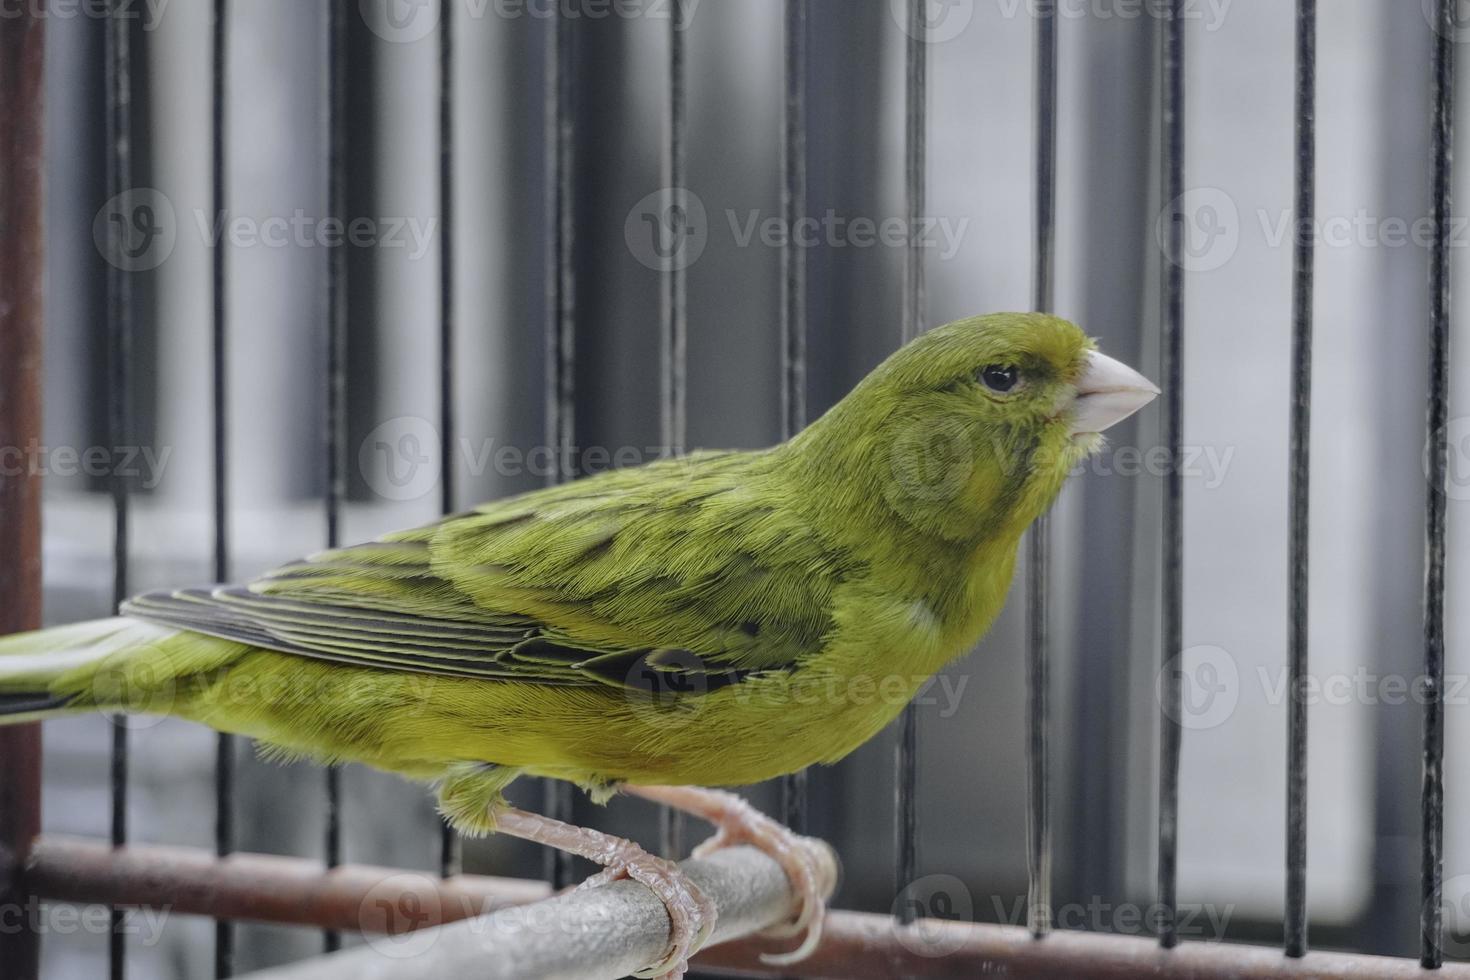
[
  {"x": 450, "y": 850},
  {"x": 118, "y": 71},
  {"x": 1442, "y": 134},
  {"x": 906, "y": 829},
  {"x": 334, "y": 113},
  {"x": 1038, "y": 586},
  {"x": 224, "y": 765},
  {"x": 673, "y": 411},
  {"x": 22, "y": 244},
  {"x": 794, "y": 293},
  {"x": 674, "y": 314},
  {"x": 561, "y": 320},
  {"x": 1295, "y": 927},
  {"x": 1173, "y": 532}
]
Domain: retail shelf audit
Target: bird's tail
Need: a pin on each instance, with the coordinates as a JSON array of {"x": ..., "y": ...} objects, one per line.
[{"x": 114, "y": 664}]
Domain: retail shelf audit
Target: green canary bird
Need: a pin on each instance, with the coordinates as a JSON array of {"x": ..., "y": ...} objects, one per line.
[{"x": 719, "y": 619}]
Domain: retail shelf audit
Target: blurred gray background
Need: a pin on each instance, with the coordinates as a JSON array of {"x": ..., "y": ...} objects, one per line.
[{"x": 1368, "y": 475}]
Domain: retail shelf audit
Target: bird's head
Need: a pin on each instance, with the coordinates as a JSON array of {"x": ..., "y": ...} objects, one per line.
[{"x": 972, "y": 428}]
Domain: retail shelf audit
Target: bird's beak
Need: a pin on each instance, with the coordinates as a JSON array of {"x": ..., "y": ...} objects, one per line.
[{"x": 1107, "y": 393}]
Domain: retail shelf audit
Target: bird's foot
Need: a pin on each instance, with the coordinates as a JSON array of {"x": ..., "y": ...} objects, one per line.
[
  {"x": 691, "y": 914},
  {"x": 738, "y": 822}
]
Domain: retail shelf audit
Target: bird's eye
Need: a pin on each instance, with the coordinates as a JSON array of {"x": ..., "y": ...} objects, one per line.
[{"x": 1000, "y": 378}]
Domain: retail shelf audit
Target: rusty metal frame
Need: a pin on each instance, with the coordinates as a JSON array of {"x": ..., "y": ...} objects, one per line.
[
  {"x": 302, "y": 892},
  {"x": 21, "y": 43}
]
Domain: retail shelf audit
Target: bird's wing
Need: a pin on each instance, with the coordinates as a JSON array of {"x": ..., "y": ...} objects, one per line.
[{"x": 687, "y": 571}]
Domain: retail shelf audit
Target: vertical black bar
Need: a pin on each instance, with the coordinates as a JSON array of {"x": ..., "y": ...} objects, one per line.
[
  {"x": 1173, "y": 534},
  {"x": 1431, "y": 954},
  {"x": 673, "y": 339},
  {"x": 906, "y": 823},
  {"x": 335, "y": 323},
  {"x": 674, "y": 319},
  {"x": 793, "y": 295},
  {"x": 224, "y": 766},
  {"x": 119, "y": 400},
  {"x": 1038, "y": 644},
  {"x": 560, "y": 319},
  {"x": 450, "y": 852},
  {"x": 1295, "y": 928},
  {"x": 22, "y": 295}
]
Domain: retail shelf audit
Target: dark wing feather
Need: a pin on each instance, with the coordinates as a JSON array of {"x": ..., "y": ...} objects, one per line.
[{"x": 593, "y": 583}]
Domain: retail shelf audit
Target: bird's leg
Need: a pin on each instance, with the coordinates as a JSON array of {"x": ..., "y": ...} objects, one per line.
[
  {"x": 737, "y": 822},
  {"x": 691, "y": 914}
]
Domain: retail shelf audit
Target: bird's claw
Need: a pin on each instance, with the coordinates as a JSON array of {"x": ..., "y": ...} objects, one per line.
[
  {"x": 691, "y": 914},
  {"x": 741, "y": 823}
]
